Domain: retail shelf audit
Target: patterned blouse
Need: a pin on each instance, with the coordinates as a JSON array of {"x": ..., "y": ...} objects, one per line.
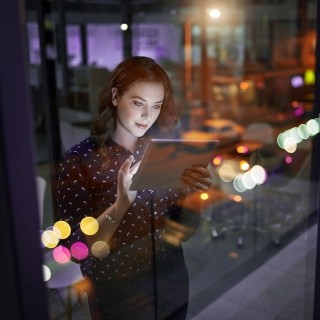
[{"x": 84, "y": 189}]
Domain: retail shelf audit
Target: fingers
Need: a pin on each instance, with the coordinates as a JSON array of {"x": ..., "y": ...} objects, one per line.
[
  {"x": 134, "y": 168},
  {"x": 197, "y": 177}
]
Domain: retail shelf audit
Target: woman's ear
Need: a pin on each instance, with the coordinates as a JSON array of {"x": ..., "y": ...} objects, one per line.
[{"x": 114, "y": 92}]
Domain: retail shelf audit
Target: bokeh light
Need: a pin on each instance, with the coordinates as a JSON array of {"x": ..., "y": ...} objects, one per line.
[
  {"x": 217, "y": 160},
  {"x": 124, "y": 27},
  {"x": 288, "y": 160},
  {"x": 49, "y": 239},
  {"x": 258, "y": 174},
  {"x": 46, "y": 273},
  {"x": 63, "y": 229},
  {"x": 289, "y": 139},
  {"x": 247, "y": 181},
  {"x": 61, "y": 254},
  {"x": 290, "y": 145},
  {"x": 79, "y": 250},
  {"x": 244, "y": 165},
  {"x": 100, "y": 249},
  {"x": 204, "y": 196},
  {"x": 226, "y": 172},
  {"x": 214, "y": 13},
  {"x": 242, "y": 149},
  {"x": 89, "y": 226},
  {"x": 237, "y": 183}
]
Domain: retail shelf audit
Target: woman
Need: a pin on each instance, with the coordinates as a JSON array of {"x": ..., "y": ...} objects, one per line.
[{"x": 135, "y": 263}]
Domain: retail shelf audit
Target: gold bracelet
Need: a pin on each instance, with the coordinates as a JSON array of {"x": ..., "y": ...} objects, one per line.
[{"x": 108, "y": 217}]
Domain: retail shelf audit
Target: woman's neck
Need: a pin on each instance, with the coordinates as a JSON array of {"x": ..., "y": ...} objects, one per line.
[{"x": 125, "y": 140}]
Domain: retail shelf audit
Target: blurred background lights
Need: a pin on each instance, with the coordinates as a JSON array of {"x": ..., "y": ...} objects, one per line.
[
  {"x": 258, "y": 174},
  {"x": 296, "y": 81},
  {"x": 226, "y": 172},
  {"x": 247, "y": 181},
  {"x": 89, "y": 226},
  {"x": 309, "y": 77},
  {"x": 242, "y": 149},
  {"x": 46, "y": 273},
  {"x": 303, "y": 131},
  {"x": 288, "y": 160},
  {"x": 244, "y": 165},
  {"x": 289, "y": 139},
  {"x": 238, "y": 185},
  {"x": 61, "y": 254},
  {"x": 214, "y": 13},
  {"x": 79, "y": 250},
  {"x": 100, "y": 249},
  {"x": 290, "y": 145},
  {"x": 204, "y": 196},
  {"x": 62, "y": 228},
  {"x": 217, "y": 160},
  {"x": 124, "y": 27},
  {"x": 313, "y": 126},
  {"x": 49, "y": 239}
]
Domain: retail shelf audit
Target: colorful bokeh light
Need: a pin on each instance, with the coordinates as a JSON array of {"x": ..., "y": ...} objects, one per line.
[
  {"x": 79, "y": 250},
  {"x": 49, "y": 239},
  {"x": 89, "y": 226},
  {"x": 100, "y": 249},
  {"x": 62, "y": 228},
  {"x": 61, "y": 254}
]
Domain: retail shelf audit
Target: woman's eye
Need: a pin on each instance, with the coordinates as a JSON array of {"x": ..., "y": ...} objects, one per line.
[
  {"x": 138, "y": 104},
  {"x": 157, "y": 106}
]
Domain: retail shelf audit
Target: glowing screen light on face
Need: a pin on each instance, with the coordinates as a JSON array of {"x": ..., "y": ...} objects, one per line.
[
  {"x": 63, "y": 229},
  {"x": 49, "y": 239},
  {"x": 89, "y": 226},
  {"x": 79, "y": 250},
  {"x": 46, "y": 273},
  {"x": 61, "y": 254}
]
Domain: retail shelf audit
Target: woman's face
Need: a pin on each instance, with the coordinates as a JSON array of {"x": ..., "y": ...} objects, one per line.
[{"x": 137, "y": 108}]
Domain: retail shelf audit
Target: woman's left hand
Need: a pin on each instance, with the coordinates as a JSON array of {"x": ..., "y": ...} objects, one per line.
[{"x": 197, "y": 177}]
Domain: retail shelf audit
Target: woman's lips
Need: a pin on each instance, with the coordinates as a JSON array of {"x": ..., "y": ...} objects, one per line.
[{"x": 142, "y": 126}]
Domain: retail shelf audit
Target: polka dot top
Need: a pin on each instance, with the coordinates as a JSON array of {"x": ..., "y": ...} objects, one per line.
[{"x": 85, "y": 189}]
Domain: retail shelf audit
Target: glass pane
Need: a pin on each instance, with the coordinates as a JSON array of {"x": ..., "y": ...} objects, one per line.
[{"x": 242, "y": 73}]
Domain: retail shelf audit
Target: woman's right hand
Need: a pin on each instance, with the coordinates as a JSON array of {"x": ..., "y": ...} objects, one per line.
[{"x": 124, "y": 195}]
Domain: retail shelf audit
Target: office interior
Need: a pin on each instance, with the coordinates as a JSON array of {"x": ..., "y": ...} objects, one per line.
[{"x": 243, "y": 71}]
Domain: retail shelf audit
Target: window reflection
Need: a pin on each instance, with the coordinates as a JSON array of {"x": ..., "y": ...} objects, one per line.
[{"x": 246, "y": 78}]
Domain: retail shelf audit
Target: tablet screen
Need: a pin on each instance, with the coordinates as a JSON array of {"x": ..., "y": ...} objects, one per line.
[{"x": 166, "y": 159}]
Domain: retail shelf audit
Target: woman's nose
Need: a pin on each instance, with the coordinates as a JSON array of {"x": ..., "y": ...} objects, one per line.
[{"x": 147, "y": 113}]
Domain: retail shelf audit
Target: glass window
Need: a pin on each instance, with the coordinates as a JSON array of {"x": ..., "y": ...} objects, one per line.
[{"x": 245, "y": 77}]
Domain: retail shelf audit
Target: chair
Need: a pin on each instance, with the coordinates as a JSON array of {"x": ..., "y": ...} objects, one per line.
[
  {"x": 66, "y": 282},
  {"x": 70, "y": 134},
  {"x": 65, "y": 278}
]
